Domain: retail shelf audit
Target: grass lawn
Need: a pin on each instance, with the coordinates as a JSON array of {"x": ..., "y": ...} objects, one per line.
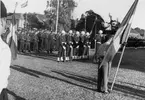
[{"x": 42, "y": 78}]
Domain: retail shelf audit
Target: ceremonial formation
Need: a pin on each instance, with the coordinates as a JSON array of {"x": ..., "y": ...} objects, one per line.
[
  {"x": 106, "y": 37},
  {"x": 69, "y": 45}
]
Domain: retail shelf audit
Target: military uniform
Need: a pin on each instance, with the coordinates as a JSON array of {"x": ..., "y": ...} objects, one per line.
[
  {"x": 28, "y": 39},
  {"x": 19, "y": 38},
  {"x": 98, "y": 40},
  {"x": 62, "y": 48},
  {"x": 36, "y": 40},
  {"x": 31, "y": 40},
  {"x": 81, "y": 45},
  {"x": 75, "y": 45},
  {"x": 45, "y": 37},
  {"x": 104, "y": 70},
  {"x": 22, "y": 41},
  {"x": 39, "y": 41},
  {"x": 68, "y": 47},
  {"x": 86, "y": 47},
  {"x": 52, "y": 38},
  {"x": 43, "y": 40}
]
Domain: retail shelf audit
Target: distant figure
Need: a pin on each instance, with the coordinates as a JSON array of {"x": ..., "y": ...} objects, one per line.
[{"x": 5, "y": 55}]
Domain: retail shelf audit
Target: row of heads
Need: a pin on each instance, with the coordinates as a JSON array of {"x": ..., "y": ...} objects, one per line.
[{"x": 71, "y": 32}]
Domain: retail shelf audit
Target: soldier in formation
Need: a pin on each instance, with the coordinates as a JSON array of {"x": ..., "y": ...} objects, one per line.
[{"x": 70, "y": 45}]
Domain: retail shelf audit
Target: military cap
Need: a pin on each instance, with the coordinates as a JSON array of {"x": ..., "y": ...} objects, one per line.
[
  {"x": 100, "y": 31},
  {"x": 3, "y": 10},
  {"x": 70, "y": 31},
  {"x": 87, "y": 33},
  {"x": 77, "y": 33},
  {"x": 83, "y": 32},
  {"x": 63, "y": 32}
]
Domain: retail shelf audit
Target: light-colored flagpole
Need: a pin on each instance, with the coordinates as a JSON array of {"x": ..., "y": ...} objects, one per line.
[
  {"x": 126, "y": 39},
  {"x": 57, "y": 16},
  {"x": 118, "y": 68},
  {"x": 15, "y": 6}
]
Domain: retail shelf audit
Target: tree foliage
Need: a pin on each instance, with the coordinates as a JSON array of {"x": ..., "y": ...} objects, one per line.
[
  {"x": 32, "y": 21},
  {"x": 66, "y": 8},
  {"x": 89, "y": 21}
]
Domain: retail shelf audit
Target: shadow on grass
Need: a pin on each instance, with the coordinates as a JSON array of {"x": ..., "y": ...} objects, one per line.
[
  {"x": 16, "y": 97},
  {"x": 129, "y": 91},
  {"x": 78, "y": 80},
  {"x": 24, "y": 70},
  {"x": 85, "y": 60},
  {"x": 41, "y": 55},
  {"x": 34, "y": 73},
  {"x": 132, "y": 84},
  {"x": 76, "y": 77}
]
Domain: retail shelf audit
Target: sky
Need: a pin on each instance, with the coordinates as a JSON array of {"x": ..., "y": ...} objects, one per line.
[{"x": 117, "y": 8}]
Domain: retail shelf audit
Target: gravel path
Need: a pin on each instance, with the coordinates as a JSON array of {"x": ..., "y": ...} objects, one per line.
[{"x": 39, "y": 78}]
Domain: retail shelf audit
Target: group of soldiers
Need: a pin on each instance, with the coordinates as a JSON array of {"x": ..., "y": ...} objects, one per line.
[
  {"x": 70, "y": 45},
  {"x": 35, "y": 40},
  {"x": 73, "y": 45}
]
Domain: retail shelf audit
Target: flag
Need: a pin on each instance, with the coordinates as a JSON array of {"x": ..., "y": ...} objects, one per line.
[
  {"x": 12, "y": 38},
  {"x": 112, "y": 46},
  {"x": 24, "y": 4}
]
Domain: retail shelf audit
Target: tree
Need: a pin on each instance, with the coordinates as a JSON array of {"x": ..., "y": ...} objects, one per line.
[
  {"x": 65, "y": 12},
  {"x": 32, "y": 21}
]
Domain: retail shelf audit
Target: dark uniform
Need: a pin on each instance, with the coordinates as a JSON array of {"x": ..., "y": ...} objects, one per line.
[
  {"x": 68, "y": 47},
  {"x": 31, "y": 40},
  {"x": 98, "y": 40},
  {"x": 25, "y": 41},
  {"x": 43, "y": 40},
  {"x": 81, "y": 45},
  {"x": 28, "y": 39},
  {"x": 52, "y": 40},
  {"x": 35, "y": 41},
  {"x": 104, "y": 70},
  {"x": 62, "y": 47},
  {"x": 39, "y": 41},
  {"x": 22, "y": 41},
  {"x": 86, "y": 46},
  {"x": 75, "y": 45},
  {"x": 19, "y": 38}
]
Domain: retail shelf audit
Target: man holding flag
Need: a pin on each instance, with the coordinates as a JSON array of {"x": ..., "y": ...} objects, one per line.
[
  {"x": 5, "y": 55},
  {"x": 108, "y": 50}
]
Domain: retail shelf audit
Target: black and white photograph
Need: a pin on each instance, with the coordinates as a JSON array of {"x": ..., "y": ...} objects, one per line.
[{"x": 72, "y": 50}]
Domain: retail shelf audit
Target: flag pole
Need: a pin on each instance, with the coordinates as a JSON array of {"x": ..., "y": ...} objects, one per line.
[
  {"x": 57, "y": 16},
  {"x": 15, "y": 6},
  {"x": 126, "y": 39},
  {"x": 118, "y": 67}
]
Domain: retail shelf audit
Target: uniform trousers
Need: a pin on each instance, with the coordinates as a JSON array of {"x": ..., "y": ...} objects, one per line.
[{"x": 103, "y": 75}]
